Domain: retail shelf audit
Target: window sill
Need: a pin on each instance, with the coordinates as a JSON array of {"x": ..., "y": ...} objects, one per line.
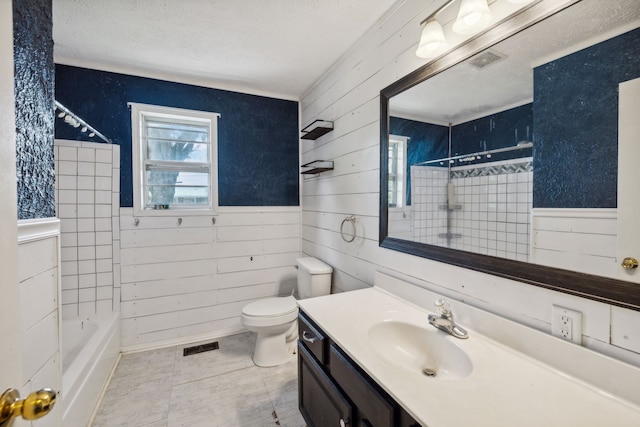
[{"x": 174, "y": 212}]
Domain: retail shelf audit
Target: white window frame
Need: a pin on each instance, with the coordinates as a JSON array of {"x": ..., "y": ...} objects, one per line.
[
  {"x": 401, "y": 165},
  {"x": 139, "y": 157}
]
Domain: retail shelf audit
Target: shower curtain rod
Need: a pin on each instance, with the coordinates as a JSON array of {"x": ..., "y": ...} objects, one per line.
[
  {"x": 72, "y": 119},
  {"x": 521, "y": 146}
]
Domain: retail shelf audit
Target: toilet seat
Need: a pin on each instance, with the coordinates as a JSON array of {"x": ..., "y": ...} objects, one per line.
[
  {"x": 270, "y": 307},
  {"x": 270, "y": 311}
]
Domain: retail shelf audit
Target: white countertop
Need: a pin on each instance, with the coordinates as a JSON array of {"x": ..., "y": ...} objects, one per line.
[{"x": 505, "y": 388}]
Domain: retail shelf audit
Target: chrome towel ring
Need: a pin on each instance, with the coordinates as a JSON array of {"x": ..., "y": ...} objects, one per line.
[{"x": 352, "y": 220}]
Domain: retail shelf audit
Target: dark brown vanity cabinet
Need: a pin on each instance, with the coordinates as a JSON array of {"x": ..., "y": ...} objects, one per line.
[
  {"x": 334, "y": 391},
  {"x": 320, "y": 401}
]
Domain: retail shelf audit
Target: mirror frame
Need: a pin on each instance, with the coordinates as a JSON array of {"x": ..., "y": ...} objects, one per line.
[{"x": 599, "y": 288}]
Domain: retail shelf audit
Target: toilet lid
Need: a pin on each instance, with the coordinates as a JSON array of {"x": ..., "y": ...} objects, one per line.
[
  {"x": 270, "y": 307},
  {"x": 313, "y": 265}
]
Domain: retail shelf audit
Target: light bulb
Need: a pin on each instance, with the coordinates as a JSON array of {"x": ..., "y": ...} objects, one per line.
[
  {"x": 432, "y": 41},
  {"x": 473, "y": 16},
  {"x": 472, "y": 19}
]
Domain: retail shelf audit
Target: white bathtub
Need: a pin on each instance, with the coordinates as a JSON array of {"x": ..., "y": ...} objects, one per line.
[{"x": 90, "y": 349}]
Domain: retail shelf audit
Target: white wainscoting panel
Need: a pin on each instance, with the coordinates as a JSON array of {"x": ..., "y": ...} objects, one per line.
[
  {"x": 185, "y": 280},
  {"x": 39, "y": 284},
  {"x": 401, "y": 222},
  {"x": 577, "y": 239}
]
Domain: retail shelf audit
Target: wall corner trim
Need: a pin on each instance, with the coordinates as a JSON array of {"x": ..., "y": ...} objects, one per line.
[{"x": 30, "y": 230}]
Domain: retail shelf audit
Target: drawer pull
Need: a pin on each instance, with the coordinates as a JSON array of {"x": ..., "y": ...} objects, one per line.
[{"x": 308, "y": 338}]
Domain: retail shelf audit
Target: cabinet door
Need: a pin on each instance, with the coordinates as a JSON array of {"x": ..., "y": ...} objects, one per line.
[
  {"x": 373, "y": 407},
  {"x": 319, "y": 400},
  {"x": 407, "y": 420}
]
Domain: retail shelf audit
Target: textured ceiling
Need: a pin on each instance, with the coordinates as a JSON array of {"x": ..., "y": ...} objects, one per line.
[{"x": 279, "y": 47}]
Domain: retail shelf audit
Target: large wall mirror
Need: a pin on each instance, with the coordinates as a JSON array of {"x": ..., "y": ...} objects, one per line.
[{"x": 503, "y": 155}]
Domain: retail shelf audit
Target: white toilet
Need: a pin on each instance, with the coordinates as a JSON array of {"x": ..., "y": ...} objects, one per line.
[{"x": 274, "y": 319}]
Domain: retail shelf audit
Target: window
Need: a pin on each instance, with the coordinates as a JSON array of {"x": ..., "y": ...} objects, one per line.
[
  {"x": 174, "y": 159},
  {"x": 397, "y": 167}
]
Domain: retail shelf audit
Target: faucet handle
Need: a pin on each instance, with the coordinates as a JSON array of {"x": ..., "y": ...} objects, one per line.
[{"x": 443, "y": 307}]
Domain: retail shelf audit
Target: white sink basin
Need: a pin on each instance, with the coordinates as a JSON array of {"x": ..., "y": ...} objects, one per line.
[{"x": 426, "y": 352}]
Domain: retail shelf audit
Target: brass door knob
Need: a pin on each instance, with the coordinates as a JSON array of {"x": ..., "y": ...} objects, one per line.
[
  {"x": 36, "y": 405},
  {"x": 629, "y": 263}
]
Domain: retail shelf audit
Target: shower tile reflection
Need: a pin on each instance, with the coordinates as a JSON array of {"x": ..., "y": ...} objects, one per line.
[{"x": 485, "y": 208}]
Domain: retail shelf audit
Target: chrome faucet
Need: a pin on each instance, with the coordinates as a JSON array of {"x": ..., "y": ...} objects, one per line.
[{"x": 445, "y": 322}]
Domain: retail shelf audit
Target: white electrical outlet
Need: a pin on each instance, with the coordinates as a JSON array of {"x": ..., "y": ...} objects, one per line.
[{"x": 566, "y": 324}]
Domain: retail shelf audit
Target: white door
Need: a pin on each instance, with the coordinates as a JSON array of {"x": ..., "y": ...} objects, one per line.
[
  {"x": 628, "y": 183},
  {"x": 10, "y": 344}
]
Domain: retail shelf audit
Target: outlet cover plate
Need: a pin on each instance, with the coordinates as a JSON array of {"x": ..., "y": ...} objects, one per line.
[{"x": 566, "y": 324}]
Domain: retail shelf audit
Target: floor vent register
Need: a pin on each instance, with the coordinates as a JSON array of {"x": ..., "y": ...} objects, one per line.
[{"x": 188, "y": 351}]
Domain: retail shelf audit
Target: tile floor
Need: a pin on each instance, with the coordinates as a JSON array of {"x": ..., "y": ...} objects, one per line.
[{"x": 217, "y": 388}]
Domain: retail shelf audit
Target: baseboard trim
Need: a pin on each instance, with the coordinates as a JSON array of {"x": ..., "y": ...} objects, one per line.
[{"x": 137, "y": 348}]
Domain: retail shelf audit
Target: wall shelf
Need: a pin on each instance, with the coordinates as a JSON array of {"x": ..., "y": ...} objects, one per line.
[
  {"x": 316, "y": 129},
  {"x": 317, "y": 166}
]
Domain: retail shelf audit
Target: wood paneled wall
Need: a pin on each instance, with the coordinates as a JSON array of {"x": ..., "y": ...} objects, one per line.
[
  {"x": 39, "y": 278},
  {"x": 190, "y": 280},
  {"x": 348, "y": 94}
]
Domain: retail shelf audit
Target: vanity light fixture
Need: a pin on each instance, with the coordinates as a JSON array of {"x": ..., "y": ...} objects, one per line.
[
  {"x": 432, "y": 40},
  {"x": 473, "y": 16}
]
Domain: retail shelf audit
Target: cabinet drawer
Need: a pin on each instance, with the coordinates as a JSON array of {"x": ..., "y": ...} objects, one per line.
[
  {"x": 321, "y": 403},
  {"x": 312, "y": 337},
  {"x": 374, "y": 408}
]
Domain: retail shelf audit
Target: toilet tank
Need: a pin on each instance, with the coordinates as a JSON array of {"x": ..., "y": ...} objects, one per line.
[{"x": 314, "y": 278}]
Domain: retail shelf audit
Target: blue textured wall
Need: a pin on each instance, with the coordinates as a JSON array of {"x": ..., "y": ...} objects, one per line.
[
  {"x": 500, "y": 130},
  {"x": 426, "y": 142},
  {"x": 575, "y": 120},
  {"x": 34, "y": 80},
  {"x": 257, "y": 136}
]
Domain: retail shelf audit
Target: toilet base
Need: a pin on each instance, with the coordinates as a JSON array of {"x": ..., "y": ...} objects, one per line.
[
  {"x": 271, "y": 350},
  {"x": 275, "y": 349}
]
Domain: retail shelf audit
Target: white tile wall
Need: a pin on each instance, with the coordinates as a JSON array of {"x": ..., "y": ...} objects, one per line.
[
  {"x": 494, "y": 209},
  {"x": 428, "y": 200},
  {"x": 85, "y": 172},
  {"x": 495, "y": 215}
]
